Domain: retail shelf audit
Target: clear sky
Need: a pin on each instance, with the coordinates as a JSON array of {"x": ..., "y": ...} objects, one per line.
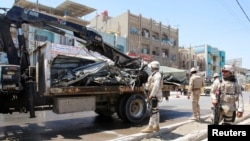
[{"x": 220, "y": 23}]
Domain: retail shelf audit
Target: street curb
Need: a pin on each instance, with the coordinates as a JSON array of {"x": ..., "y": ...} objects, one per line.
[
  {"x": 202, "y": 134},
  {"x": 164, "y": 130},
  {"x": 194, "y": 136}
]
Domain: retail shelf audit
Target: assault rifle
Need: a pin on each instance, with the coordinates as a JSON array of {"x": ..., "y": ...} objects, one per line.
[
  {"x": 217, "y": 107},
  {"x": 146, "y": 93}
]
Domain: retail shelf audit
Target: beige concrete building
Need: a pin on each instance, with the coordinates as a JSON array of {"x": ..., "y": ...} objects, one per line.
[
  {"x": 188, "y": 58},
  {"x": 144, "y": 36}
]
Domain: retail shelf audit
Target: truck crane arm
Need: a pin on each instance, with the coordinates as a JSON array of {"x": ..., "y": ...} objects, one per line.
[{"x": 19, "y": 15}]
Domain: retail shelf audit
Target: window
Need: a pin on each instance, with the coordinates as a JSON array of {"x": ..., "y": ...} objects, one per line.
[
  {"x": 174, "y": 43},
  {"x": 164, "y": 38},
  {"x": 133, "y": 31},
  {"x": 66, "y": 41},
  {"x": 156, "y": 51},
  {"x": 165, "y": 53},
  {"x": 183, "y": 64},
  {"x": 222, "y": 59},
  {"x": 41, "y": 38},
  {"x": 145, "y": 33},
  {"x": 155, "y": 36},
  {"x": 145, "y": 50},
  {"x": 173, "y": 57}
]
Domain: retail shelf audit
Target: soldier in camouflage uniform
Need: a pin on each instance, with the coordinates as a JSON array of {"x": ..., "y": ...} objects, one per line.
[
  {"x": 194, "y": 90},
  {"x": 154, "y": 86},
  {"x": 230, "y": 95},
  {"x": 216, "y": 77}
]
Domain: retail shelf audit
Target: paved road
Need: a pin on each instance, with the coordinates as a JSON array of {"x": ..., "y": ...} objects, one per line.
[
  {"x": 194, "y": 131},
  {"x": 86, "y": 125},
  {"x": 89, "y": 126}
]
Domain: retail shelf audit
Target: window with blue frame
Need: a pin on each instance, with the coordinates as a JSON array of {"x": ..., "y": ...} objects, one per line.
[
  {"x": 134, "y": 31},
  {"x": 222, "y": 59}
]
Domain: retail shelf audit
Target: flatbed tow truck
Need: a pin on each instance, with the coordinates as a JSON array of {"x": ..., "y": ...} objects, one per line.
[{"x": 36, "y": 80}]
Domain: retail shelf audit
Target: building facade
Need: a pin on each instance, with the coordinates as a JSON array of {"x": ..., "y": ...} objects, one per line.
[
  {"x": 214, "y": 59},
  {"x": 248, "y": 76},
  {"x": 115, "y": 40},
  {"x": 144, "y": 36},
  {"x": 240, "y": 73},
  {"x": 188, "y": 59}
]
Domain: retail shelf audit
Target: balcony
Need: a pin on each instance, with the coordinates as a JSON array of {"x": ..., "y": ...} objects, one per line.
[{"x": 145, "y": 41}]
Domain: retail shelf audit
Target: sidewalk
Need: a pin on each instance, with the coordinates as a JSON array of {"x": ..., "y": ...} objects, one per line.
[
  {"x": 193, "y": 131},
  {"x": 185, "y": 131}
]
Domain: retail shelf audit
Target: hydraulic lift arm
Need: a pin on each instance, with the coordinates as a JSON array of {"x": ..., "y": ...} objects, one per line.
[{"x": 57, "y": 23}]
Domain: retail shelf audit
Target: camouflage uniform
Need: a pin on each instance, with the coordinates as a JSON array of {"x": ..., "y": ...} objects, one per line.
[
  {"x": 230, "y": 94},
  {"x": 195, "y": 85},
  {"x": 155, "y": 86}
]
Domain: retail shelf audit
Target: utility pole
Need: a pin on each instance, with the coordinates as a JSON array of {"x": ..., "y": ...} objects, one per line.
[
  {"x": 96, "y": 20},
  {"x": 190, "y": 60},
  {"x": 37, "y": 5}
]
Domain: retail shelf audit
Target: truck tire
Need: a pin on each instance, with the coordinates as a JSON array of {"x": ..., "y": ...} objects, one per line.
[
  {"x": 207, "y": 92},
  {"x": 120, "y": 106},
  {"x": 135, "y": 108}
]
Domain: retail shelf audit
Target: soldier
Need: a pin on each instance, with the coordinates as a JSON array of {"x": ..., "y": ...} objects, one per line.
[
  {"x": 195, "y": 85},
  {"x": 230, "y": 94},
  {"x": 154, "y": 86},
  {"x": 217, "y": 80},
  {"x": 216, "y": 77}
]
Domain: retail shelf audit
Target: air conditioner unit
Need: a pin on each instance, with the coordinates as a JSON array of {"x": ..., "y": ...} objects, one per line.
[{"x": 163, "y": 55}]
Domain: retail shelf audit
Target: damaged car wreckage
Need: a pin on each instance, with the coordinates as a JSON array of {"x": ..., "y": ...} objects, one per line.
[{"x": 34, "y": 80}]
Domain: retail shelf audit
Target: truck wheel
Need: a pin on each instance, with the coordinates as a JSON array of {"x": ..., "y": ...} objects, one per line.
[
  {"x": 120, "y": 106},
  {"x": 135, "y": 108},
  {"x": 207, "y": 92}
]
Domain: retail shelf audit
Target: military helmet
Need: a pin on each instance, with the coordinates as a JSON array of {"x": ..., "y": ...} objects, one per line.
[
  {"x": 228, "y": 68},
  {"x": 216, "y": 75},
  {"x": 155, "y": 64},
  {"x": 193, "y": 70}
]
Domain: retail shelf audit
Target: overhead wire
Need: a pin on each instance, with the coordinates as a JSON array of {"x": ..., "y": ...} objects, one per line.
[
  {"x": 230, "y": 8},
  {"x": 245, "y": 4},
  {"x": 243, "y": 10}
]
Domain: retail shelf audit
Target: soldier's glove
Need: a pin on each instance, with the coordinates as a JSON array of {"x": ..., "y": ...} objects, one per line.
[
  {"x": 239, "y": 114},
  {"x": 214, "y": 102},
  {"x": 150, "y": 97}
]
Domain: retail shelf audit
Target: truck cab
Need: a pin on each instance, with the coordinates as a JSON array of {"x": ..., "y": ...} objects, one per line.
[{"x": 207, "y": 88}]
